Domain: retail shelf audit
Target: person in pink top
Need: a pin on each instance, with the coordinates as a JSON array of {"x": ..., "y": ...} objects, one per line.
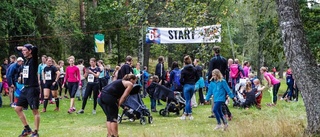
[
  {"x": 246, "y": 69},
  {"x": 272, "y": 81},
  {"x": 72, "y": 76}
]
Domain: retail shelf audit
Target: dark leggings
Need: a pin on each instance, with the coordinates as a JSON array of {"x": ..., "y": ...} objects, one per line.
[
  {"x": 109, "y": 106},
  {"x": 60, "y": 83},
  {"x": 102, "y": 83},
  {"x": 91, "y": 87},
  {"x": 275, "y": 92},
  {"x": 201, "y": 95},
  {"x": 73, "y": 87},
  {"x": 225, "y": 110}
]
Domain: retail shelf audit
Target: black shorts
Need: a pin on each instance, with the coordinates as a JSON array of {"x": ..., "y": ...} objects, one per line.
[
  {"x": 29, "y": 96},
  {"x": 109, "y": 105},
  {"x": 73, "y": 87},
  {"x": 50, "y": 86}
]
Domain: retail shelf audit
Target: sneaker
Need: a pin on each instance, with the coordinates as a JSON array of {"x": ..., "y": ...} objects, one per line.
[
  {"x": 183, "y": 117},
  {"x": 154, "y": 110},
  {"x": 71, "y": 110},
  {"x": 41, "y": 102},
  {"x": 80, "y": 111},
  {"x": 13, "y": 105},
  {"x": 281, "y": 98},
  {"x": 218, "y": 127},
  {"x": 191, "y": 117},
  {"x": 35, "y": 134},
  {"x": 79, "y": 99},
  {"x": 65, "y": 96},
  {"x": 56, "y": 109},
  {"x": 94, "y": 112},
  {"x": 211, "y": 116},
  {"x": 44, "y": 110},
  {"x": 25, "y": 133},
  {"x": 159, "y": 104}
]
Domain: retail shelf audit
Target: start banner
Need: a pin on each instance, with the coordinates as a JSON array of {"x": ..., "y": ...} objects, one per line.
[{"x": 206, "y": 34}]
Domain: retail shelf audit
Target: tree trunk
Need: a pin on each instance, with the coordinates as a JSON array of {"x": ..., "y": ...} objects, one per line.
[
  {"x": 146, "y": 54},
  {"x": 82, "y": 16},
  {"x": 301, "y": 61}
]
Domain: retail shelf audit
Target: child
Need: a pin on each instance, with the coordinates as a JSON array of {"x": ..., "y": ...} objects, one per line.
[
  {"x": 259, "y": 88},
  {"x": 252, "y": 77},
  {"x": 250, "y": 96},
  {"x": 218, "y": 87},
  {"x": 151, "y": 89}
]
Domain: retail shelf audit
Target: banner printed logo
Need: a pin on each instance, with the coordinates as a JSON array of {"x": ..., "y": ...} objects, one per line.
[{"x": 153, "y": 35}]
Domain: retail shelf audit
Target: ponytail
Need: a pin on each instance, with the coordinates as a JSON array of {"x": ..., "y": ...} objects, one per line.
[{"x": 129, "y": 77}]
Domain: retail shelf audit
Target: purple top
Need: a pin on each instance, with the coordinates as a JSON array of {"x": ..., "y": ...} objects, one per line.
[{"x": 246, "y": 71}]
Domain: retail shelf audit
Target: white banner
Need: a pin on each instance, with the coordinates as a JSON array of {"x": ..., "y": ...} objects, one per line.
[{"x": 206, "y": 34}]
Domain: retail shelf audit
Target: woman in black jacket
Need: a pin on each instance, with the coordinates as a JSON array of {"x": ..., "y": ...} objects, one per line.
[{"x": 189, "y": 77}]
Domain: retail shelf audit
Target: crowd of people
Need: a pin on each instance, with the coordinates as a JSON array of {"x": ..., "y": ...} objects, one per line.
[{"x": 28, "y": 83}]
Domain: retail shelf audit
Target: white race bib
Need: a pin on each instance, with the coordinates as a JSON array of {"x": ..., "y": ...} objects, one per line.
[
  {"x": 25, "y": 72},
  {"x": 47, "y": 75},
  {"x": 90, "y": 78}
]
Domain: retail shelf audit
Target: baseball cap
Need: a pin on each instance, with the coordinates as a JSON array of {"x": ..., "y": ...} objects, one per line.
[{"x": 20, "y": 59}]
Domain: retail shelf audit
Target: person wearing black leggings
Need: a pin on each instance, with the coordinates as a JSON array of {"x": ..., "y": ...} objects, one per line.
[
  {"x": 92, "y": 75},
  {"x": 111, "y": 97}
]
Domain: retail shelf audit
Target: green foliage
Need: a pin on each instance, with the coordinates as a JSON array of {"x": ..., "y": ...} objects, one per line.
[{"x": 311, "y": 18}]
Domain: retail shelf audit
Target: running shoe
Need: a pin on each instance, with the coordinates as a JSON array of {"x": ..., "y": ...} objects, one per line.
[
  {"x": 191, "y": 117},
  {"x": 183, "y": 117},
  {"x": 25, "y": 133},
  {"x": 51, "y": 102},
  {"x": 80, "y": 111},
  {"x": 212, "y": 116},
  {"x": 35, "y": 134},
  {"x": 218, "y": 127},
  {"x": 65, "y": 96},
  {"x": 71, "y": 110}
]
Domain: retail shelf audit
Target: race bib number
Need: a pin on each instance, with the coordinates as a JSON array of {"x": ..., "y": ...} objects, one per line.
[
  {"x": 90, "y": 78},
  {"x": 47, "y": 75},
  {"x": 25, "y": 72}
]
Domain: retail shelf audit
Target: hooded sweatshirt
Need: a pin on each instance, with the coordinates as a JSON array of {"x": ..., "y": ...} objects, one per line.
[{"x": 189, "y": 75}]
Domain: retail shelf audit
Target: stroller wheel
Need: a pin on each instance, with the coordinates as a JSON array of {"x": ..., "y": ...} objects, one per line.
[
  {"x": 119, "y": 119},
  {"x": 165, "y": 113},
  {"x": 150, "y": 120},
  {"x": 161, "y": 111},
  {"x": 142, "y": 120}
]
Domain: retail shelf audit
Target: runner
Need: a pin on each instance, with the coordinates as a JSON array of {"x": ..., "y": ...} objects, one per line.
[
  {"x": 61, "y": 79},
  {"x": 73, "y": 78},
  {"x": 40, "y": 69},
  {"x": 50, "y": 76},
  {"x": 92, "y": 74},
  {"x": 81, "y": 91},
  {"x": 13, "y": 74},
  {"x": 30, "y": 94},
  {"x": 111, "y": 97},
  {"x": 102, "y": 79}
]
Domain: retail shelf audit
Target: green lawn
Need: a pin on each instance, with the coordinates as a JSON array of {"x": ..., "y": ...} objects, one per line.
[{"x": 286, "y": 119}]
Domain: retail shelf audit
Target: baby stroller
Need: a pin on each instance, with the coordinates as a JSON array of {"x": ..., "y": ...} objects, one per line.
[
  {"x": 239, "y": 95},
  {"x": 174, "y": 100},
  {"x": 134, "y": 108}
]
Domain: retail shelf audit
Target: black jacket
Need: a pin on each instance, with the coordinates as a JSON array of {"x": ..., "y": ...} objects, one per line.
[
  {"x": 160, "y": 71},
  {"x": 189, "y": 75},
  {"x": 218, "y": 62},
  {"x": 124, "y": 70}
]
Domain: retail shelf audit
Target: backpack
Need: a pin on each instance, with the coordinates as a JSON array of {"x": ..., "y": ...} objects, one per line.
[
  {"x": 234, "y": 70},
  {"x": 176, "y": 79}
]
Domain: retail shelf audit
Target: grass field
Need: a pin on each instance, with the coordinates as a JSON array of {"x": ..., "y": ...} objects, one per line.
[{"x": 286, "y": 119}]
